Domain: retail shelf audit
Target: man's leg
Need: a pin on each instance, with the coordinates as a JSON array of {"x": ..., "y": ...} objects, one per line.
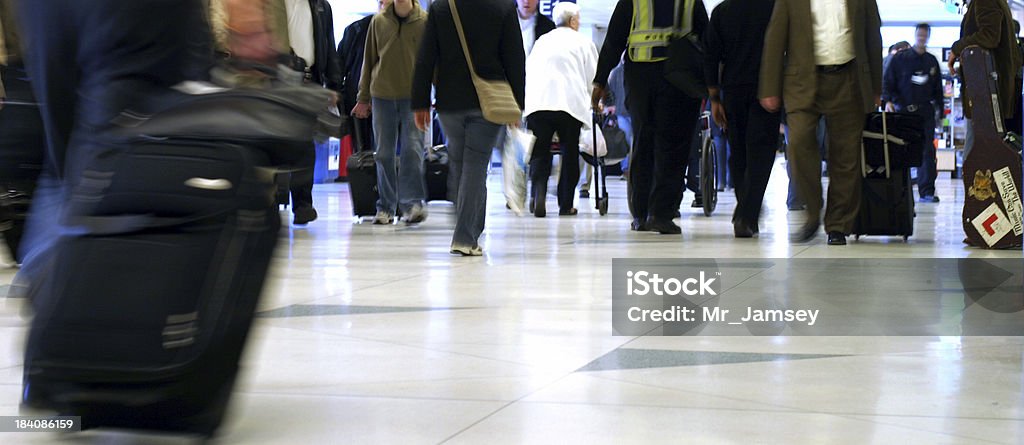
[
  {"x": 737, "y": 108},
  {"x": 675, "y": 121},
  {"x": 928, "y": 172},
  {"x": 385, "y": 132},
  {"x": 301, "y": 187},
  {"x": 805, "y": 163},
  {"x": 412, "y": 187},
  {"x": 762, "y": 137},
  {"x": 844, "y": 118},
  {"x": 641, "y": 163}
]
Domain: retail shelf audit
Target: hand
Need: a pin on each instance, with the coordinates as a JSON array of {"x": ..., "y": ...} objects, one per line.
[
  {"x": 771, "y": 104},
  {"x": 878, "y": 100},
  {"x": 952, "y": 60},
  {"x": 609, "y": 110},
  {"x": 422, "y": 119},
  {"x": 718, "y": 113},
  {"x": 517, "y": 124},
  {"x": 362, "y": 111},
  {"x": 890, "y": 108},
  {"x": 596, "y": 97}
]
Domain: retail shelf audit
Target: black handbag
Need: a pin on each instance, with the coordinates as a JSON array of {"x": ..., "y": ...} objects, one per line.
[{"x": 684, "y": 68}]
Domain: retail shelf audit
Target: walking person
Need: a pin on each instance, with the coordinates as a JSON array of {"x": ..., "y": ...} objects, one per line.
[
  {"x": 351, "y": 52},
  {"x": 913, "y": 84},
  {"x": 558, "y": 76},
  {"x": 824, "y": 58},
  {"x": 732, "y": 64},
  {"x": 386, "y": 89},
  {"x": 664, "y": 117},
  {"x": 495, "y": 44}
]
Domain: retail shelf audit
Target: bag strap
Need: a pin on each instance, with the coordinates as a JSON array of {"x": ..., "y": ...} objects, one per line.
[
  {"x": 885, "y": 143},
  {"x": 683, "y": 20},
  {"x": 462, "y": 39}
]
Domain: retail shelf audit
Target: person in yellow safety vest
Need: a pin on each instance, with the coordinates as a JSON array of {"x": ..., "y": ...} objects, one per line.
[{"x": 664, "y": 117}]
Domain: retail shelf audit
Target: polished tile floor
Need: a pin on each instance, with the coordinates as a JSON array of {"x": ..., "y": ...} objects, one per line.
[{"x": 376, "y": 335}]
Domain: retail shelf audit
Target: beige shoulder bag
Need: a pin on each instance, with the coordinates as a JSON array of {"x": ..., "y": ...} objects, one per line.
[{"x": 496, "y": 99}]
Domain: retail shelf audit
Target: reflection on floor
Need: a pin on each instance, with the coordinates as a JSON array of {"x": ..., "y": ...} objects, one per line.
[{"x": 377, "y": 335}]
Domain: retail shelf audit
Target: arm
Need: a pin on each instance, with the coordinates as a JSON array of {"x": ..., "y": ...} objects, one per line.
[
  {"x": 370, "y": 59},
  {"x": 938, "y": 95},
  {"x": 426, "y": 64},
  {"x": 890, "y": 88},
  {"x": 989, "y": 17},
  {"x": 873, "y": 43},
  {"x": 713, "y": 54},
  {"x": 615, "y": 41},
  {"x": 513, "y": 56},
  {"x": 774, "y": 55}
]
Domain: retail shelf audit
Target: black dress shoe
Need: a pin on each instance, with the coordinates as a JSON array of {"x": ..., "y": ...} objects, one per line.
[
  {"x": 664, "y": 227},
  {"x": 639, "y": 225},
  {"x": 304, "y": 215},
  {"x": 540, "y": 201},
  {"x": 836, "y": 239},
  {"x": 698, "y": 202},
  {"x": 742, "y": 229},
  {"x": 806, "y": 233},
  {"x": 570, "y": 212}
]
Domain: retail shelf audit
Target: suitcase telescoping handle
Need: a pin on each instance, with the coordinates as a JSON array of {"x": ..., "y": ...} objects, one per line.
[{"x": 885, "y": 148}]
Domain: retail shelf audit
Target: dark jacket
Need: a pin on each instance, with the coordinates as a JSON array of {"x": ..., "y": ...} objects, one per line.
[
  {"x": 788, "y": 68},
  {"x": 326, "y": 70},
  {"x": 350, "y": 50},
  {"x": 733, "y": 42},
  {"x": 544, "y": 25},
  {"x": 989, "y": 24},
  {"x": 495, "y": 44},
  {"x": 620, "y": 26}
]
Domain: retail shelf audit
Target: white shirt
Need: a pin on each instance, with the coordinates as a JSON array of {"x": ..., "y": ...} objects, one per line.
[
  {"x": 833, "y": 35},
  {"x": 300, "y": 29},
  {"x": 529, "y": 29},
  {"x": 559, "y": 73}
]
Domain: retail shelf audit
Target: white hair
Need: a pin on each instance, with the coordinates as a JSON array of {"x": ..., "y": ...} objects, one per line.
[{"x": 564, "y": 13}]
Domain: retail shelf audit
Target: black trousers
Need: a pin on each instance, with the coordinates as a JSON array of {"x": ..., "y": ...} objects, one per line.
[
  {"x": 301, "y": 182},
  {"x": 928, "y": 170},
  {"x": 753, "y": 136},
  {"x": 664, "y": 122},
  {"x": 545, "y": 124}
]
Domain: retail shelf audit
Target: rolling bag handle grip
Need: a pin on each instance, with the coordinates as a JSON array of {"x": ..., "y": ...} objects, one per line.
[{"x": 885, "y": 141}]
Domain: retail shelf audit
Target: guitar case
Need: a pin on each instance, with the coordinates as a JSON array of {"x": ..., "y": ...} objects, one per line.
[{"x": 992, "y": 215}]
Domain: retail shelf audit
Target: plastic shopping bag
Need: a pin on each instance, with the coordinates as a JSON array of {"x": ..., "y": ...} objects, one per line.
[
  {"x": 515, "y": 156},
  {"x": 587, "y": 142}
]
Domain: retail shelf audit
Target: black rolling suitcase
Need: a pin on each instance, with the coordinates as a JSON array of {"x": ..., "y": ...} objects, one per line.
[
  {"x": 150, "y": 291},
  {"x": 435, "y": 168},
  {"x": 891, "y": 145},
  {"x": 362, "y": 183}
]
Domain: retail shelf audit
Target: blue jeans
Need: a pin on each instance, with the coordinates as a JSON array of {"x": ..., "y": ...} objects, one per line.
[
  {"x": 404, "y": 186},
  {"x": 470, "y": 141}
]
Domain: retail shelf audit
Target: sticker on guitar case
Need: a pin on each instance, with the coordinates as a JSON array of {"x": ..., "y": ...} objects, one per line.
[
  {"x": 982, "y": 188},
  {"x": 1011, "y": 199},
  {"x": 992, "y": 224}
]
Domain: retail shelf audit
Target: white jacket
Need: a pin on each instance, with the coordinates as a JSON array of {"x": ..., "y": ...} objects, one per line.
[{"x": 559, "y": 74}]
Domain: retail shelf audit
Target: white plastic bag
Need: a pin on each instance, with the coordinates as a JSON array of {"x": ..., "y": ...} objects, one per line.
[
  {"x": 587, "y": 142},
  {"x": 515, "y": 156}
]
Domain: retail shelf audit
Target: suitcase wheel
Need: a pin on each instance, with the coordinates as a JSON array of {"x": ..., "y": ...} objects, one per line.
[
  {"x": 602, "y": 206},
  {"x": 856, "y": 237},
  {"x": 906, "y": 239}
]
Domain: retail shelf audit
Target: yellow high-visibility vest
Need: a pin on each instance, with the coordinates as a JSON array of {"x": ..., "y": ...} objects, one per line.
[{"x": 648, "y": 42}]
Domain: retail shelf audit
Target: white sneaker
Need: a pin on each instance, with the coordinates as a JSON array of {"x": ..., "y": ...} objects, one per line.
[
  {"x": 467, "y": 251},
  {"x": 383, "y": 218},
  {"x": 416, "y": 215}
]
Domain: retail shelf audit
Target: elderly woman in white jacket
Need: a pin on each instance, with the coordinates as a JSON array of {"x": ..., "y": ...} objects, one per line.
[{"x": 559, "y": 73}]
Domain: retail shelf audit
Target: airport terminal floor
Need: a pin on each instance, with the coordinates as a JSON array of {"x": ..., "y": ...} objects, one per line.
[{"x": 377, "y": 335}]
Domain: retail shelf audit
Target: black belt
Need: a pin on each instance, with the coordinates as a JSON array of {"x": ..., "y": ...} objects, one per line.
[{"x": 828, "y": 69}]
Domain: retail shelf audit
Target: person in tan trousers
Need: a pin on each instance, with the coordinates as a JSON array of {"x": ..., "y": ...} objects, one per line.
[{"x": 837, "y": 73}]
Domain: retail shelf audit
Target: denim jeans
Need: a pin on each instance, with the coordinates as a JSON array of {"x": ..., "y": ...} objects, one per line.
[
  {"x": 404, "y": 186},
  {"x": 470, "y": 141}
]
